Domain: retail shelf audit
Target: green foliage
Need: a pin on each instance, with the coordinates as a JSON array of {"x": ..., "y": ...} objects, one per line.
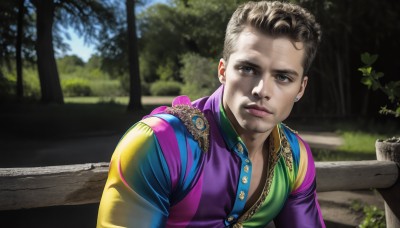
[
  {"x": 5, "y": 87},
  {"x": 76, "y": 87},
  {"x": 167, "y": 32},
  {"x": 69, "y": 64},
  {"x": 371, "y": 79},
  {"x": 373, "y": 216},
  {"x": 359, "y": 142},
  {"x": 31, "y": 83},
  {"x": 166, "y": 72},
  {"x": 163, "y": 88},
  {"x": 199, "y": 75},
  {"x": 9, "y": 16},
  {"x": 106, "y": 87},
  {"x": 73, "y": 69}
]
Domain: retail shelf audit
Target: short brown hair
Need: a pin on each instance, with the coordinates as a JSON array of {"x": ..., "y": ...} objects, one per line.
[{"x": 275, "y": 19}]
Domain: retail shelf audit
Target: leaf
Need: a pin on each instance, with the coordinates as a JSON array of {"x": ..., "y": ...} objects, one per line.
[
  {"x": 375, "y": 86},
  {"x": 368, "y": 59},
  {"x": 366, "y": 81},
  {"x": 366, "y": 71},
  {"x": 379, "y": 75}
]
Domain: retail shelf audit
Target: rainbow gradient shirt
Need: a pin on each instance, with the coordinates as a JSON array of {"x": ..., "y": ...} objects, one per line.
[{"x": 160, "y": 176}]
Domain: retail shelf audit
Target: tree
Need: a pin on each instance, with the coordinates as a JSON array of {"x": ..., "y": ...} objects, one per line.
[
  {"x": 133, "y": 56},
  {"x": 16, "y": 42},
  {"x": 47, "y": 68},
  {"x": 169, "y": 31},
  {"x": 83, "y": 16},
  {"x": 18, "y": 57}
]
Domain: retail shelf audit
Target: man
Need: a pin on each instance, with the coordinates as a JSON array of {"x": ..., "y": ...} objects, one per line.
[{"x": 226, "y": 160}]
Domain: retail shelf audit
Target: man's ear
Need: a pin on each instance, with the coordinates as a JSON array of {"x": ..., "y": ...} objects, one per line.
[
  {"x": 302, "y": 87},
  {"x": 222, "y": 71}
]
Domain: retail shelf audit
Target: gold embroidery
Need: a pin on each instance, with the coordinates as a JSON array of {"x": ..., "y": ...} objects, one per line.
[
  {"x": 284, "y": 151},
  {"x": 294, "y": 131},
  {"x": 195, "y": 122},
  {"x": 287, "y": 152}
]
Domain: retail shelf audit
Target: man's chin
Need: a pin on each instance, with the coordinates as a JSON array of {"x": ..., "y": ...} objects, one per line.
[{"x": 259, "y": 129}]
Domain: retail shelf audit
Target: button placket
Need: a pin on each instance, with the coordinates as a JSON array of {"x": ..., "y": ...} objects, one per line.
[{"x": 243, "y": 184}]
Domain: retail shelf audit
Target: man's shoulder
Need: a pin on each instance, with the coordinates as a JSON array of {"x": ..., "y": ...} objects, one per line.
[{"x": 181, "y": 116}]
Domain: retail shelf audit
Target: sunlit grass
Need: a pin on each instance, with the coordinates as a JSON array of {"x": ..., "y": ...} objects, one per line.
[
  {"x": 359, "y": 142},
  {"x": 357, "y": 145},
  {"x": 96, "y": 100}
]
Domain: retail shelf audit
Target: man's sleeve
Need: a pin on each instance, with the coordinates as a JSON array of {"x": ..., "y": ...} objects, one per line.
[
  {"x": 301, "y": 208},
  {"x": 138, "y": 186}
]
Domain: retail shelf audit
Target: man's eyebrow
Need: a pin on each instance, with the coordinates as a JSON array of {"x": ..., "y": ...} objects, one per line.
[
  {"x": 248, "y": 63},
  {"x": 287, "y": 71}
]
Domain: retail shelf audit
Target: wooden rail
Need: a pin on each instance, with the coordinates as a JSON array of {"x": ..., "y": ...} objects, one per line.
[{"x": 82, "y": 184}]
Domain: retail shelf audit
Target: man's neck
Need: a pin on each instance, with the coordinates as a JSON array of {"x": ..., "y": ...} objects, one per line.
[{"x": 255, "y": 142}]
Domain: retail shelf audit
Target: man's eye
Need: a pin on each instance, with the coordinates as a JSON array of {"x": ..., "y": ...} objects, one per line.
[
  {"x": 283, "y": 78},
  {"x": 247, "y": 70}
]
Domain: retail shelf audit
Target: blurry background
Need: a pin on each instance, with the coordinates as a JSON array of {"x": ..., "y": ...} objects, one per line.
[{"x": 64, "y": 102}]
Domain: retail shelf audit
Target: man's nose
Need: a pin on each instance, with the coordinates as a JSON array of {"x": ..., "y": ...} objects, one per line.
[{"x": 263, "y": 88}]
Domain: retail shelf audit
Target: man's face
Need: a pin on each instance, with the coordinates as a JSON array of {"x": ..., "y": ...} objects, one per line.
[{"x": 262, "y": 80}]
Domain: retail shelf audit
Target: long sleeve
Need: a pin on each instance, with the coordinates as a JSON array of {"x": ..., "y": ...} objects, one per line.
[
  {"x": 301, "y": 208},
  {"x": 138, "y": 185}
]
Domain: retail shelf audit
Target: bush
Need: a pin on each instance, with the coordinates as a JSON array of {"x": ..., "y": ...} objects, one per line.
[
  {"x": 31, "y": 83},
  {"x": 371, "y": 78},
  {"x": 199, "y": 75},
  {"x": 76, "y": 87},
  {"x": 165, "y": 88},
  {"x": 6, "y": 87},
  {"x": 373, "y": 217},
  {"x": 102, "y": 87}
]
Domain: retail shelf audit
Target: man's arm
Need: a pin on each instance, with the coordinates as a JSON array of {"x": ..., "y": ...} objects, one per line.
[
  {"x": 138, "y": 186},
  {"x": 301, "y": 208}
]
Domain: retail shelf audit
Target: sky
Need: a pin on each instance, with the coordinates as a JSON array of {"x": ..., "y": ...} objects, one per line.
[{"x": 84, "y": 51}]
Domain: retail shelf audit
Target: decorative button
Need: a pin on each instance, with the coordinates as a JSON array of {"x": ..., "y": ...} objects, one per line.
[
  {"x": 244, "y": 180},
  {"x": 239, "y": 147},
  {"x": 246, "y": 168},
  {"x": 242, "y": 195},
  {"x": 199, "y": 122},
  {"x": 247, "y": 161},
  {"x": 230, "y": 218}
]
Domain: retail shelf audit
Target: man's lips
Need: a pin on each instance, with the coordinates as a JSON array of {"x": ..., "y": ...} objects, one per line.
[{"x": 257, "y": 110}]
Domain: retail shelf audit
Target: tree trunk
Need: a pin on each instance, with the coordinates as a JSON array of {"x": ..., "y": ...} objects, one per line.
[
  {"x": 18, "y": 57},
  {"x": 390, "y": 151},
  {"x": 133, "y": 57},
  {"x": 47, "y": 67}
]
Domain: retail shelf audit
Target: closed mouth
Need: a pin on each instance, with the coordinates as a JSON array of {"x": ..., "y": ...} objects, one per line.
[
  {"x": 258, "y": 111},
  {"x": 258, "y": 108}
]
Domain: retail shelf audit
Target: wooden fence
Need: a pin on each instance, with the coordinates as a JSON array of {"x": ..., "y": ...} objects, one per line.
[{"x": 83, "y": 184}]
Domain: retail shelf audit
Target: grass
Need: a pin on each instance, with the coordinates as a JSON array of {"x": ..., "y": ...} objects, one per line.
[
  {"x": 360, "y": 142},
  {"x": 96, "y": 100},
  {"x": 357, "y": 145}
]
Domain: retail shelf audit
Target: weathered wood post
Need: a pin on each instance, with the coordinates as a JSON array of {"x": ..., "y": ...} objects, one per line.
[{"x": 390, "y": 151}]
